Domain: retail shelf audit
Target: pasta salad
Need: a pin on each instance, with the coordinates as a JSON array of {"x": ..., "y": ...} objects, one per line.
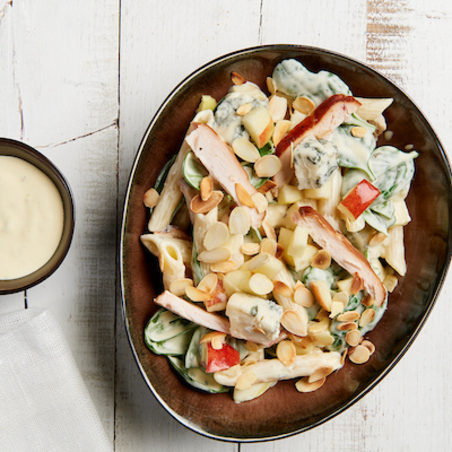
[{"x": 278, "y": 228}]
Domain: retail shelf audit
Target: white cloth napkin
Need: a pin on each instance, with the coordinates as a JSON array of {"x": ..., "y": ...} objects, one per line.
[{"x": 44, "y": 403}]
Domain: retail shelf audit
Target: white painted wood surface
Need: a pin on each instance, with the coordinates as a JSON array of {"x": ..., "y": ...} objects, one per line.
[{"x": 80, "y": 81}]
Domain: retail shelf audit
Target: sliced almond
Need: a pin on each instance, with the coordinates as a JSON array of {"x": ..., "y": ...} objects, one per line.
[
  {"x": 390, "y": 282},
  {"x": 358, "y": 132},
  {"x": 336, "y": 308},
  {"x": 196, "y": 295},
  {"x": 371, "y": 347},
  {"x": 223, "y": 267},
  {"x": 279, "y": 251},
  {"x": 267, "y": 186},
  {"x": 303, "y": 385},
  {"x": 280, "y": 130},
  {"x": 277, "y": 107},
  {"x": 320, "y": 373},
  {"x": 151, "y": 198},
  {"x": 197, "y": 205},
  {"x": 267, "y": 166},
  {"x": 217, "y": 235},
  {"x": 343, "y": 356},
  {"x": 206, "y": 188},
  {"x": 366, "y": 317},
  {"x": 243, "y": 196},
  {"x": 317, "y": 327},
  {"x": 341, "y": 297},
  {"x": 260, "y": 202},
  {"x": 303, "y": 105},
  {"x": 349, "y": 316},
  {"x": 269, "y": 230},
  {"x": 250, "y": 249},
  {"x": 321, "y": 260},
  {"x": 282, "y": 288},
  {"x": 260, "y": 284},
  {"x": 322, "y": 339},
  {"x": 246, "y": 150},
  {"x": 303, "y": 297},
  {"x": 237, "y": 79},
  {"x": 347, "y": 326},
  {"x": 214, "y": 256},
  {"x": 252, "y": 346},
  {"x": 321, "y": 290},
  {"x": 215, "y": 338},
  {"x": 271, "y": 85},
  {"x": 239, "y": 221},
  {"x": 292, "y": 322},
  {"x": 244, "y": 109},
  {"x": 286, "y": 352},
  {"x": 269, "y": 246},
  {"x": 359, "y": 355},
  {"x": 376, "y": 239},
  {"x": 352, "y": 338},
  {"x": 208, "y": 283},
  {"x": 357, "y": 284},
  {"x": 178, "y": 286},
  {"x": 246, "y": 380}
]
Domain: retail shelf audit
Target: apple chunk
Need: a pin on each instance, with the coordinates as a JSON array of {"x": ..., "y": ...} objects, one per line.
[
  {"x": 218, "y": 360},
  {"x": 358, "y": 199},
  {"x": 259, "y": 124}
]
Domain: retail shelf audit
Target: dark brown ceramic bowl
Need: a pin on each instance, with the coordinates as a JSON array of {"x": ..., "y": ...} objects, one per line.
[
  {"x": 17, "y": 149},
  {"x": 282, "y": 411}
]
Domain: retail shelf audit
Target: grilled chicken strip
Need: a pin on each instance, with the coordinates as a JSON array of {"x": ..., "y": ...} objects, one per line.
[
  {"x": 222, "y": 164},
  {"x": 328, "y": 116},
  {"x": 341, "y": 250}
]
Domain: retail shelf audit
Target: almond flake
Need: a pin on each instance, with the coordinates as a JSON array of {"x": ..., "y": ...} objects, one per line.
[
  {"x": 267, "y": 166},
  {"x": 239, "y": 221},
  {"x": 349, "y": 316},
  {"x": 322, "y": 294},
  {"x": 359, "y": 355},
  {"x": 304, "y": 297},
  {"x": 320, "y": 373},
  {"x": 303, "y": 105},
  {"x": 197, "y": 205},
  {"x": 286, "y": 352},
  {"x": 196, "y": 295},
  {"x": 250, "y": 249},
  {"x": 246, "y": 380},
  {"x": 371, "y": 347},
  {"x": 277, "y": 107},
  {"x": 347, "y": 326},
  {"x": 151, "y": 198},
  {"x": 243, "y": 196},
  {"x": 178, "y": 286},
  {"x": 215, "y": 338},
  {"x": 293, "y": 323},
  {"x": 267, "y": 186},
  {"x": 205, "y": 188},
  {"x": 214, "y": 256},
  {"x": 208, "y": 283},
  {"x": 217, "y": 235},
  {"x": 244, "y": 109},
  {"x": 357, "y": 284},
  {"x": 260, "y": 202},
  {"x": 237, "y": 79},
  {"x": 358, "y": 132},
  {"x": 271, "y": 85},
  {"x": 303, "y": 385},
  {"x": 223, "y": 267},
  {"x": 268, "y": 246},
  {"x": 246, "y": 150},
  {"x": 282, "y": 288},
  {"x": 321, "y": 260},
  {"x": 260, "y": 284},
  {"x": 352, "y": 338},
  {"x": 376, "y": 239},
  {"x": 366, "y": 317}
]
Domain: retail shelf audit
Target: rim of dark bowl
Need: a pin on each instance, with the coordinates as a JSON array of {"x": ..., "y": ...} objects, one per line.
[
  {"x": 440, "y": 280},
  {"x": 14, "y": 148}
]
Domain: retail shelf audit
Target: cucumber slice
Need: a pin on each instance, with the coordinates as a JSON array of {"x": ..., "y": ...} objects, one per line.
[
  {"x": 175, "y": 346},
  {"x": 193, "y": 355},
  {"x": 161, "y": 178},
  {"x": 255, "y": 181},
  {"x": 195, "y": 265},
  {"x": 196, "y": 377},
  {"x": 165, "y": 325},
  {"x": 269, "y": 148},
  {"x": 193, "y": 171}
]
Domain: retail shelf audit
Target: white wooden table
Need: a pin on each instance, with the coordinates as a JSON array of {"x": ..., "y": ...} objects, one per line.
[{"x": 81, "y": 79}]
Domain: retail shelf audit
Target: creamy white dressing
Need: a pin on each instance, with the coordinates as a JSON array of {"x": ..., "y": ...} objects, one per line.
[
  {"x": 31, "y": 218},
  {"x": 293, "y": 79}
]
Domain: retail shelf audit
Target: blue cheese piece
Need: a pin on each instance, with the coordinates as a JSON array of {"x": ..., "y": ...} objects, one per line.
[
  {"x": 315, "y": 161},
  {"x": 228, "y": 124},
  {"x": 253, "y": 318}
]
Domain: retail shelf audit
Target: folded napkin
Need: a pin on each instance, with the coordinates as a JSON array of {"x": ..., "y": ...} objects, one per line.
[{"x": 44, "y": 403}]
